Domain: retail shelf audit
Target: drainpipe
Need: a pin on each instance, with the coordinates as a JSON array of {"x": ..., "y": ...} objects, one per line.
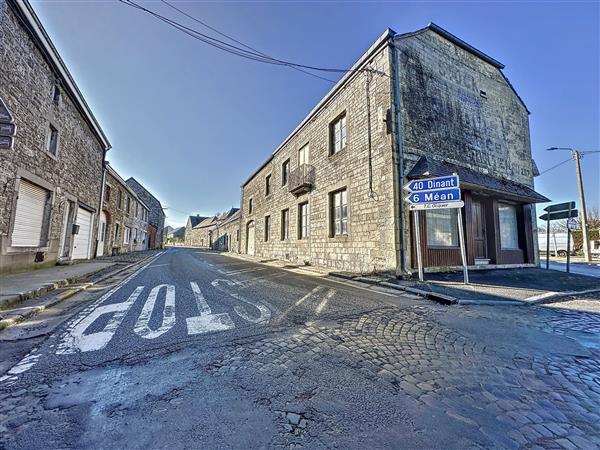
[
  {"x": 399, "y": 148},
  {"x": 101, "y": 202}
]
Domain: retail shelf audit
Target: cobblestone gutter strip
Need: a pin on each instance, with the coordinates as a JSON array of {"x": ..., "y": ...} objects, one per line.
[{"x": 14, "y": 317}]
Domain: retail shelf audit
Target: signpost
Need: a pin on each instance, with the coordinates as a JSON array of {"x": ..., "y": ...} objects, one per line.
[
  {"x": 557, "y": 212},
  {"x": 436, "y": 193}
]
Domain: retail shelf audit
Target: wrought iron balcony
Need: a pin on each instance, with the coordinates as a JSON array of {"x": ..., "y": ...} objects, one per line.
[{"x": 302, "y": 179}]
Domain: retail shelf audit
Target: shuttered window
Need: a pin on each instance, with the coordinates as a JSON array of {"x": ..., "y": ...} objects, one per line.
[{"x": 31, "y": 222}]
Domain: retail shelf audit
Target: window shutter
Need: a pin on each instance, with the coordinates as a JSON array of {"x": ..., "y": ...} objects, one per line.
[{"x": 29, "y": 216}]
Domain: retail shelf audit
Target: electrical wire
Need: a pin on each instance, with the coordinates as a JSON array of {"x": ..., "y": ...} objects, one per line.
[
  {"x": 555, "y": 166},
  {"x": 195, "y": 19},
  {"x": 238, "y": 51}
]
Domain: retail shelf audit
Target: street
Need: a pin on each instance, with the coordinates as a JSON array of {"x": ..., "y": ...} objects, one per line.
[
  {"x": 197, "y": 349},
  {"x": 581, "y": 268}
]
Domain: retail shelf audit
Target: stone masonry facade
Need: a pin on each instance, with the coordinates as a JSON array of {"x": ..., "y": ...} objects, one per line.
[
  {"x": 422, "y": 94},
  {"x": 38, "y": 98},
  {"x": 156, "y": 215}
]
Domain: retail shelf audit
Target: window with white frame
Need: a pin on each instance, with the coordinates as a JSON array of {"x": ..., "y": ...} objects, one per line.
[
  {"x": 337, "y": 132},
  {"x": 339, "y": 212},
  {"x": 509, "y": 234},
  {"x": 285, "y": 224},
  {"x": 442, "y": 227},
  {"x": 303, "y": 220},
  {"x": 127, "y": 235},
  {"x": 304, "y": 155}
]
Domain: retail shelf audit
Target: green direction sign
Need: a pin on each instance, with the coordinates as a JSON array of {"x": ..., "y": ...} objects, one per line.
[
  {"x": 559, "y": 215},
  {"x": 560, "y": 207}
]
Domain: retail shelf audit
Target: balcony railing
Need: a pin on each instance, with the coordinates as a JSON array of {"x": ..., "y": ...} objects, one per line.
[{"x": 302, "y": 179}]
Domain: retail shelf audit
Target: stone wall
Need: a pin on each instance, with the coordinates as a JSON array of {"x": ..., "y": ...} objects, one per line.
[
  {"x": 27, "y": 84},
  {"x": 226, "y": 236},
  {"x": 156, "y": 214},
  {"x": 370, "y": 243}
]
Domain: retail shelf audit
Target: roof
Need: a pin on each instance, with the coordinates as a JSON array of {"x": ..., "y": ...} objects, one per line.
[
  {"x": 232, "y": 217},
  {"x": 44, "y": 43},
  {"x": 114, "y": 173},
  {"x": 179, "y": 232},
  {"x": 141, "y": 186},
  {"x": 208, "y": 221},
  {"x": 427, "y": 166},
  {"x": 195, "y": 220}
]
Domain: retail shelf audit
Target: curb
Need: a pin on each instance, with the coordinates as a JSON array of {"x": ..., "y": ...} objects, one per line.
[
  {"x": 6, "y": 323},
  {"x": 552, "y": 297},
  {"x": 436, "y": 297}
]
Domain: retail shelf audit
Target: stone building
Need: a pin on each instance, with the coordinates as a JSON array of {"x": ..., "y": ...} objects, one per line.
[
  {"x": 51, "y": 174},
  {"x": 415, "y": 105},
  {"x": 124, "y": 218},
  {"x": 204, "y": 232},
  {"x": 191, "y": 238},
  {"x": 156, "y": 217},
  {"x": 226, "y": 235}
]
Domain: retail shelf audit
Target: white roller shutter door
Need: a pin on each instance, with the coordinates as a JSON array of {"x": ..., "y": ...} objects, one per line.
[
  {"x": 29, "y": 216},
  {"x": 81, "y": 243}
]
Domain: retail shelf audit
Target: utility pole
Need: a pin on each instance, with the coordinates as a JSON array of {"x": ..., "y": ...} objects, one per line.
[
  {"x": 577, "y": 155},
  {"x": 584, "y": 229}
]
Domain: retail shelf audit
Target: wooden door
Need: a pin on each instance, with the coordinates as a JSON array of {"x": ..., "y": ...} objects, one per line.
[{"x": 478, "y": 229}]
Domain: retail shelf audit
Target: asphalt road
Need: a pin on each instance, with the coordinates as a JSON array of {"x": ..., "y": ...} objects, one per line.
[
  {"x": 581, "y": 268},
  {"x": 201, "y": 350}
]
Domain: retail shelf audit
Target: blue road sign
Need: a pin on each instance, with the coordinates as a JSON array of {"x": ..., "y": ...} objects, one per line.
[
  {"x": 435, "y": 196},
  {"x": 430, "y": 184}
]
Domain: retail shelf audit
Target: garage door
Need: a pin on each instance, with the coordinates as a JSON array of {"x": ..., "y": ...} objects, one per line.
[
  {"x": 28, "y": 229},
  {"x": 81, "y": 243}
]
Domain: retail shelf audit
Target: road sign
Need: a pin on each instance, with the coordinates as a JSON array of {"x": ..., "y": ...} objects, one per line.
[
  {"x": 571, "y": 224},
  {"x": 560, "y": 207},
  {"x": 560, "y": 215},
  {"x": 5, "y": 114},
  {"x": 430, "y": 184},
  {"x": 426, "y": 206},
  {"x": 436, "y": 196},
  {"x": 7, "y": 129},
  {"x": 6, "y": 143}
]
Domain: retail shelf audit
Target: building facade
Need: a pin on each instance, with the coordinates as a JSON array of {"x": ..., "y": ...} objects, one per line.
[
  {"x": 51, "y": 174},
  {"x": 156, "y": 216},
  {"x": 226, "y": 235},
  {"x": 415, "y": 105},
  {"x": 124, "y": 218},
  {"x": 192, "y": 238},
  {"x": 217, "y": 232}
]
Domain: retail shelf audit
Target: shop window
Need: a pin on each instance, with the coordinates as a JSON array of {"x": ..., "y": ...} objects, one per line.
[
  {"x": 509, "y": 234},
  {"x": 442, "y": 228}
]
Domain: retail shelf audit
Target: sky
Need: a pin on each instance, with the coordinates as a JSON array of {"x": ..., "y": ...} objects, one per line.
[{"x": 191, "y": 122}]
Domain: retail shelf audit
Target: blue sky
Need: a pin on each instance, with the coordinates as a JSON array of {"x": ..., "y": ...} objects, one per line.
[{"x": 191, "y": 122}]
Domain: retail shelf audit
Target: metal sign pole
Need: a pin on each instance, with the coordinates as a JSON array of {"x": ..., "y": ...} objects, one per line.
[
  {"x": 569, "y": 242},
  {"x": 548, "y": 242},
  {"x": 463, "y": 253},
  {"x": 418, "y": 241}
]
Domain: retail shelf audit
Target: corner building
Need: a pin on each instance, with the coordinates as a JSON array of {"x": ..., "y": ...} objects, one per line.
[{"x": 414, "y": 105}]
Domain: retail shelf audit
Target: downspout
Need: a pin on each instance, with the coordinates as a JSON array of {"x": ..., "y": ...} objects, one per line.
[
  {"x": 101, "y": 202},
  {"x": 399, "y": 149}
]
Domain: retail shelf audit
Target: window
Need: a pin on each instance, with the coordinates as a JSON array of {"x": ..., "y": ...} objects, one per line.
[
  {"x": 52, "y": 144},
  {"x": 32, "y": 216},
  {"x": 120, "y": 199},
  {"x": 285, "y": 224},
  {"x": 238, "y": 235},
  {"x": 509, "y": 235},
  {"x": 117, "y": 231},
  {"x": 126, "y": 235},
  {"x": 303, "y": 155},
  {"x": 339, "y": 213},
  {"x": 137, "y": 209},
  {"x": 267, "y": 185},
  {"x": 128, "y": 205},
  {"x": 107, "y": 193},
  {"x": 250, "y": 206},
  {"x": 56, "y": 95},
  {"x": 337, "y": 132},
  {"x": 285, "y": 172},
  {"x": 303, "y": 219},
  {"x": 267, "y": 228},
  {"x": 442, "y": 227}
]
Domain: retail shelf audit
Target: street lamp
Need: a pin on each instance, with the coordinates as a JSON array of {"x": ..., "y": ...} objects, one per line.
[{"x": 577, "y": 155}]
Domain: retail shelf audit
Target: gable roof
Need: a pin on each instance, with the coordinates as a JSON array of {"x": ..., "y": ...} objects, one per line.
[
  {"x": 195, "y": 220},
  {"x": 136, "y": 184},
  {"x": 39, "y": 35}
]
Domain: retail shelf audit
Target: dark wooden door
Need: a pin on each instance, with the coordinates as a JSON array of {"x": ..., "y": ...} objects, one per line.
[{"x": 478, "y": 229}]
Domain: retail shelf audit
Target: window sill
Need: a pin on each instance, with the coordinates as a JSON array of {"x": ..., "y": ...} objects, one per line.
[
  {"x": 333, "y": 155},
  {"x": 47, "y": 153},
  {"x": 339, "y": 237}
]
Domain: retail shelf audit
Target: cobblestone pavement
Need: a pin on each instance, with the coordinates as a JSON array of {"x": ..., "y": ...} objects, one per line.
[{"x": 336, "y": 366}]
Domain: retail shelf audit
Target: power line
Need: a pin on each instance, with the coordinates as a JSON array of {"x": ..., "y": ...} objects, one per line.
[
  {"x": 238, "y": 51},
  {"x": 195, "y": 19},
  {"x": 555, "y": 166}
]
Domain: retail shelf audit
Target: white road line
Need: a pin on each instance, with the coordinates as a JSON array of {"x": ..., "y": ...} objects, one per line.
[
  {"x": 314, "y": 291},
  {"x": 235, "y": 272},
  {"x": 256, "y": 280},
  {"x": 323, "y": 303},
  {"x": 159, "y": 265},
  {"x": 206, "y": 322},
  {"x": 265, "y": 313},
  {"x": 142, "y": 327}
]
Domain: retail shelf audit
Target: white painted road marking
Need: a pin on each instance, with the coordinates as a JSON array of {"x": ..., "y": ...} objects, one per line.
[
  {"x": 323, "y": 303},
  {"x": 76, "y": 340},
  {"x": 206, "y": 321},
  {"x": 142, "y": 327},
  {"x": 265, "y": 313}
]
